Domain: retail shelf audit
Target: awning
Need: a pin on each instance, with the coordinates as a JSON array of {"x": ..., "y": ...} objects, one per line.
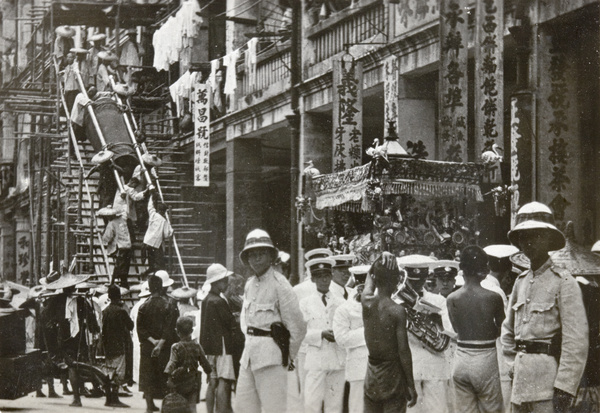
[{"x": 345, "y": 190}]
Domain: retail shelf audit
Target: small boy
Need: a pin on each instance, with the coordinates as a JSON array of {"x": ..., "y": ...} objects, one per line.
[{"x": 185, "y": 356}]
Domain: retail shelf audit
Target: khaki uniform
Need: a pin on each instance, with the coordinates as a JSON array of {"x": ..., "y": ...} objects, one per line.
[{"x": 544, "y": 303}]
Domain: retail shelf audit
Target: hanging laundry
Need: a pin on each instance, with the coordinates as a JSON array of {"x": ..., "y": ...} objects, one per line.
[
  {"x": 251, "y": 61},
  {"x": 230, "y": 60}
]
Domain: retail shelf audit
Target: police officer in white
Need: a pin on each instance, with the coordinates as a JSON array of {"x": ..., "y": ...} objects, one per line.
[
  {"x": 268, "y": 299},
  {"x": 349, "y": 333},
  {"x": 324, "y": 383}
]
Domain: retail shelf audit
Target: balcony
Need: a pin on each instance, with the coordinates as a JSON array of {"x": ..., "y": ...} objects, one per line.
[{"x": 272, "y": 74}]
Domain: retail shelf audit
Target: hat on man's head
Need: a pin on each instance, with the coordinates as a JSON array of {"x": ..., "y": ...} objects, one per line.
[
  {"x": 216, "y": 272},
  {"x": 183, "y": 293},
  {"x": 65, "y": 31},
  {"x": 79, "y": 50},
  {"x": 416, "y": 265},
  {"x": 360, "y": 273},
  {"x": 536, "y": 216},
  {"x": 343, "y": 260},
  {"x": 317, "y": 253},
  {"x": 151, "y": 160},
  {"x": 500, "y": 250},
  {"x": 103, "y": 156},
  {"x": 164, "y": 276},
  {"x": 257, "y": 238},
  {"x": 96, "y": 37},
  {"x": 445, "y": 268},
  {"x": 50, "y": 278},
  {"x": 319, "y": 267},
  {"x": 67, "y": 280},
  {"x": 108, "y": 56}
]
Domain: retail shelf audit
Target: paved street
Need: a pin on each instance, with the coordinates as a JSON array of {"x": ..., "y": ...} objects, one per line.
[{"x": 30, "y": 403}]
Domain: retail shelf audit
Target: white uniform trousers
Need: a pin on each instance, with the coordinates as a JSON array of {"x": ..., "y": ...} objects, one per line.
[
  {"x": 263, "y": 390},
  {"x": 295, "y": 400},
  {"x": 324, "y": 388},
  {"x": 433, "y": 397},
  {"x": 356, "y": 398}
]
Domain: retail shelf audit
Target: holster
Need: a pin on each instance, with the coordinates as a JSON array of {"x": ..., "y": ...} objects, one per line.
[{"x": 281, "y": 336}]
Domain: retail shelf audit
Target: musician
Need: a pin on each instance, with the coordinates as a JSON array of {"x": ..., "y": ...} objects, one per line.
[
  {"x": 545, "y": 333},
  {"x": 349, "y": 333},
  {"x": 325, "y": 359},
  {"x": 431, "y": 369},
  {"x": 389, "y": 383},
  {"x": 476, "y": 314},
  {"x": 445, "y": 273}
]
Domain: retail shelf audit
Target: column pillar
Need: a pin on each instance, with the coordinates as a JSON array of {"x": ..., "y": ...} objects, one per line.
[
  {"x": 416, "y": 114},
  {"x": 244, "y": 196}
]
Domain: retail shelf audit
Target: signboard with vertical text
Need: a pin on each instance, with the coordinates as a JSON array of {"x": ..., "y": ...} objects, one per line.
[{"x": 201, "y": 110}]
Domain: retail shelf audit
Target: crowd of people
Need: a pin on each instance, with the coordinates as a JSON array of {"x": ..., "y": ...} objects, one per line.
[{"x": 359, "y": 338}]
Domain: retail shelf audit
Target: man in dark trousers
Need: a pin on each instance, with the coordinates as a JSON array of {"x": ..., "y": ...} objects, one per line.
[
  {"x": 217, "y": 339},
  {"x": 116, "y": 330},
  {"x": 389, "y": 383},
  {"x": 476, "y": 314},
  {"x": 156, "y": 323}
]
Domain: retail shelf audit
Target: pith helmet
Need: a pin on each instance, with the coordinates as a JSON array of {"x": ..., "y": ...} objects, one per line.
[
  {"x": 257, "y": 238},
  {"x": 537, "y": 216}
]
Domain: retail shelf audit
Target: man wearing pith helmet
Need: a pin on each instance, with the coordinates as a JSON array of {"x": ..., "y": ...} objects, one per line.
[
  {"x": 545, "y": 333},
  {"x": 268, "y": 300}
]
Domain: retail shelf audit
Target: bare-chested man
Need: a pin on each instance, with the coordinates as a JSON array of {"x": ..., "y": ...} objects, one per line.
[
  {"x": 476, "y": 314},
  {"x": 389, "y": 383}
]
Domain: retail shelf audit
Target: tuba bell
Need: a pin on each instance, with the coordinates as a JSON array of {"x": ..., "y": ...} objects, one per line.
[{"x": 427, "y": 328}]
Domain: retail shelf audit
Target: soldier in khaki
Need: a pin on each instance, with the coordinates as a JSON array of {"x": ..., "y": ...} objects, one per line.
[
  {"x": 545, "y": 334},
  {"x": 268, "y": 299}
]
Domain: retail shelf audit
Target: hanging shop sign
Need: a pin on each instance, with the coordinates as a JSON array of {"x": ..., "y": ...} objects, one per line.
[
  {"x": 489, "y": 81},
  {"x": 202, "y": 135},
  {"x": 347, "y": 113},
  {"x": 521, "y": 160},
  {"x": 391, "y": 91},
  {"x": 453, "y": 81},
  {"x": 411, "y": 14},
  {"x": 559, "y": 147}
]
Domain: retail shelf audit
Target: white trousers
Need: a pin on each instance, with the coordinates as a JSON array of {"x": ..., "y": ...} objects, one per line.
[
  {"x": 324, "y": 388},
  {"x": 263, "y": 390},
  {"x": 356, "y": 398},
  {"x": 433, "y": 397},
  {"x": 295, "y": 398}
]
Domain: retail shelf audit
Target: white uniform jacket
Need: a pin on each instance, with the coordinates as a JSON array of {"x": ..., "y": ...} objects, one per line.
[
  {"x": 320, "y": 353},
  {"x": 349, "y": 332}
]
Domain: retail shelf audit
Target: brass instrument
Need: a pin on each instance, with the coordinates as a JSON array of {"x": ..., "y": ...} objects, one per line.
[{"x": 427, "y": 327}]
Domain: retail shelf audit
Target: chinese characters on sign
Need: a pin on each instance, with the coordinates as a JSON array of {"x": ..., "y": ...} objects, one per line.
[
  {"x": 23, "y": 259},
  {"x": 201, "y": 112},
  {"x": 347, "y": 114},
  {"x": 489, "y": 80},
  {"x": 391, "y": 92},
  {"x": 521, "y": 164},
  {"x": 453, "y": 81}
]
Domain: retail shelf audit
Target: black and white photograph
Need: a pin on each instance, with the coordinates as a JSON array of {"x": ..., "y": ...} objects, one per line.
[{"x": 300, "y": 206}]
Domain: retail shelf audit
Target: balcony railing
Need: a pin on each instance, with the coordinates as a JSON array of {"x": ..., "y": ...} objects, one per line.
[
  {"x": 347, "y": 28},
  {"x": 271, "y": 68}
]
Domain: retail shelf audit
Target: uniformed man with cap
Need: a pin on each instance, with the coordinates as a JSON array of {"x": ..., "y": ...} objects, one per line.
[
  {"x": 341, "y": 275},
  {"x": 324, "y": 365},
  {"x": 349, "y": 333},
  {"x": 268, "y": 299},
  {"x": 431, "y": 370},
  {"x": 296, "y": 378},
  {"x": 499, "y": 277},
  {"x": 545, "y": 333},
  {"x": 445, "y": 273}
]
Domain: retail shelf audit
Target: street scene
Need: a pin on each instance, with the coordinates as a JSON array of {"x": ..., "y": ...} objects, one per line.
[{"x": 300, "y": 206}]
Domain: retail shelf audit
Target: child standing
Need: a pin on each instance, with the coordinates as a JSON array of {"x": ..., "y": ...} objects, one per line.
[{"x": 183, "y": 364}]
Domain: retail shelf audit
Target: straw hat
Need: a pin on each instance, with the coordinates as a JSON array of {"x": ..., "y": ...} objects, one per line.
[
  {"x": 53, "y": 276},
  {"x": 151, "y": 160},
  {"x": 65, "y": 31},
  {"x": 537, "y": 216},
  {"x": 97, "y": 37},
  {"x": 107, "y": 211},
  {"x": 79, "y": 50},
  {"x": 102, "y": 156},
  {"x": 67, "y": 280},
  {"x": 108, "y": 56},
  {"x": 164, "y": 276},
  {"x": 183, "y": 293},
  {"x": 257, "y": 238},
  {"x": 216, "y": 272}
]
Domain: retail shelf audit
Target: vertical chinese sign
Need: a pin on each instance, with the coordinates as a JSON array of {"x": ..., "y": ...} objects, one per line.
[
  {"x": 391, "y": 91},
  {"x": 347, "y": 113},
  {"x": 23, "y": 251},
  {"x": 559, "y": 166},
  {"x": 453, "y": 81},
  {"x": 489, "y": 80},
  {"x": 202, "y": 135}
]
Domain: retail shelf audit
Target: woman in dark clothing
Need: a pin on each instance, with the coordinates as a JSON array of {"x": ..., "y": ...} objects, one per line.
[{"x": 156, "y": 322}]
